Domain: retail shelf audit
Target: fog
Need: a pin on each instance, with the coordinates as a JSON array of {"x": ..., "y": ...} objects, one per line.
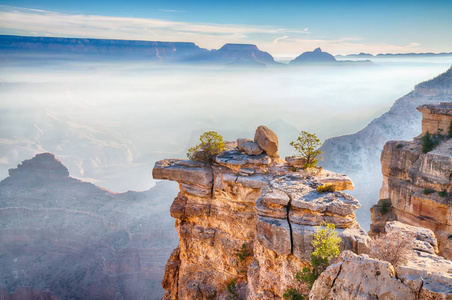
[{"x": 109, "y": 121}]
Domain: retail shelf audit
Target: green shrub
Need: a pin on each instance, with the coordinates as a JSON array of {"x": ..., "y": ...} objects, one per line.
[
  {"x": 293, "y": 294},
  {"x": 428, "y": 191},
  {"x": 326, "y": 246},
  {"x": 231, "y": 287},
  {"x": 428, "y": 142},
  {"x": 326, "y": 188},
  {"x": 442, "y": 194},
  {"x": 211, "y": 144},
  {"x": 385, "y": 205},
  {"x": 399, "y": 145},
  {"x": 243, "y": 253},
  {"x": 307, "y": 145}
]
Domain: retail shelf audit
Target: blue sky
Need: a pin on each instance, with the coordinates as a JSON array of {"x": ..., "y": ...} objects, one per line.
[{"x": 283, "y": 28}]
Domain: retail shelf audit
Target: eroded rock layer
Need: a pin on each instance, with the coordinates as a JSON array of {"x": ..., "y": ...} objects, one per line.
[
  {"x": 246, "y": 223},
  {"x": 424, "y": 275},
  {"x": 417, "y": 186}
]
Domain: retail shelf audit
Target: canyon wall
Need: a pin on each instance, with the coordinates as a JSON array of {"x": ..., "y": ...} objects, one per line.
[
  {"x": 417, "y": 186},
  {"x": 61, "y": 238},
  {"x": 358, "y": 154},
  {"x": 246, "y": 222}
]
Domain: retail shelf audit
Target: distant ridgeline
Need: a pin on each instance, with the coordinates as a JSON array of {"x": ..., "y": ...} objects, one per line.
[
  {"x": 234, "y": 55},
  {"x": 172, "y": 52}
]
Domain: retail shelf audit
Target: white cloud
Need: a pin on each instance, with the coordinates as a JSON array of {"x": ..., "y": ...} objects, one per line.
[
  {"x": 278, "y": 41},
  {"x": 280, "y": 38},
  {"x": 45, "y": 23}
]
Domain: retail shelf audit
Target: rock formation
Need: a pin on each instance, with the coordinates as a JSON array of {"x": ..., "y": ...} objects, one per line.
[
  {"x": 424, "y": 276},
  {"x": 61, "y": 238},
  {"x": 358, "y": 155},
  {"x": 167, "y": 52},
  {"x": 417, "y": 186},
  {"x": 246, "y": 223},
  {"x": 242, "y": 54}
]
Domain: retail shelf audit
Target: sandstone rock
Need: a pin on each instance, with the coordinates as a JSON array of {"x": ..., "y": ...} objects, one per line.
[
  {"x": 272, "y": 203},
  {"x": 274, "y": 234},
  {"x": 236, "y": 158},
  {"x": 259, "y": 202},
  {"x": 360, "y": 277},
  {"x": 436, "y": 116},
  {"x": 424, "y": 239},
  {"x": 295, "y": 161},
  {"x": 341, "y": 182},
  {"x": 171, "y": 278},
  {"x": 428, "y": 275},
  {"x": 250, "y": 147},
  {"x": 418, "y": 185},
  {"x": 266, "y": 139},
  {"x": 187, "y": 171}
]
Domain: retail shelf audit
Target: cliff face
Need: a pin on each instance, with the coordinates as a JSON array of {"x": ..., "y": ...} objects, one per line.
[
  {"x": 61, "y": 238},
  {"x": 358, "y": 155},
  {"x": 418, "y": 186},
  {"x": 249, "y": 219}
]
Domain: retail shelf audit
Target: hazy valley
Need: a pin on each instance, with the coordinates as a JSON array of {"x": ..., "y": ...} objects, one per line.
[{"x": 108, "y": 119}]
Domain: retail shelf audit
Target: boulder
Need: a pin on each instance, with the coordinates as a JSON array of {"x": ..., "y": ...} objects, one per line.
[
  {"x": 424, "y": 239},
  {"x": 359, "y": 277},
  {"x": 248, "y": 146},
  {"x": 266, "y": 139}
]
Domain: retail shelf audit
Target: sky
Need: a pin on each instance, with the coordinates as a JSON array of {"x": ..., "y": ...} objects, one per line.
[{"x": 284, "y": 28}]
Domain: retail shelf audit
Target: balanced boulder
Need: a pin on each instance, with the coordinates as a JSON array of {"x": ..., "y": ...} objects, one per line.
[{"x": 266, "y": 139}]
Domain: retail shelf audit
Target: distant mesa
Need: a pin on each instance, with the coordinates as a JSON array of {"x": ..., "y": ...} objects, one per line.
[
  {"x": 320, "y": 58},
  {"x": 315, "y": 57},
  {"x": 241, "y": 54},
  {"x": 152, "y": 51}
]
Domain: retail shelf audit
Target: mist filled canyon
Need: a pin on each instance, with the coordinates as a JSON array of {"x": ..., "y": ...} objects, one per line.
[{"x": 109, "y": 120}]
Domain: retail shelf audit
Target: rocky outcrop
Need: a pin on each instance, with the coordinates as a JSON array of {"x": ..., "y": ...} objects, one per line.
[
  {"x": 249, "y": 146},
  {"x": 436, "y": 118},
  {"x": 61, "y": 238},
  {"x": 250, "y": 219},
  {"x": 418, "y": 186},
  {"x": 424, "y": 276},
  {"x": 358, "y": 154}
]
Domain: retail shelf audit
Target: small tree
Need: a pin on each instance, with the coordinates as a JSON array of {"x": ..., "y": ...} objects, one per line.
[
  {"x": 307, "y": 145},
  {"x": 326, "y": 246},
  {"x": 211, "y": 144}
]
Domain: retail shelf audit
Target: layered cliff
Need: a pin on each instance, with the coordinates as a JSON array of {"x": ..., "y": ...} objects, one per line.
[
  {"x": 245, "y": 223},
  {"x": 417, "y": 186},
  {"x": 358, "y": 154},
  {"x": 61, "y": 238}
]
